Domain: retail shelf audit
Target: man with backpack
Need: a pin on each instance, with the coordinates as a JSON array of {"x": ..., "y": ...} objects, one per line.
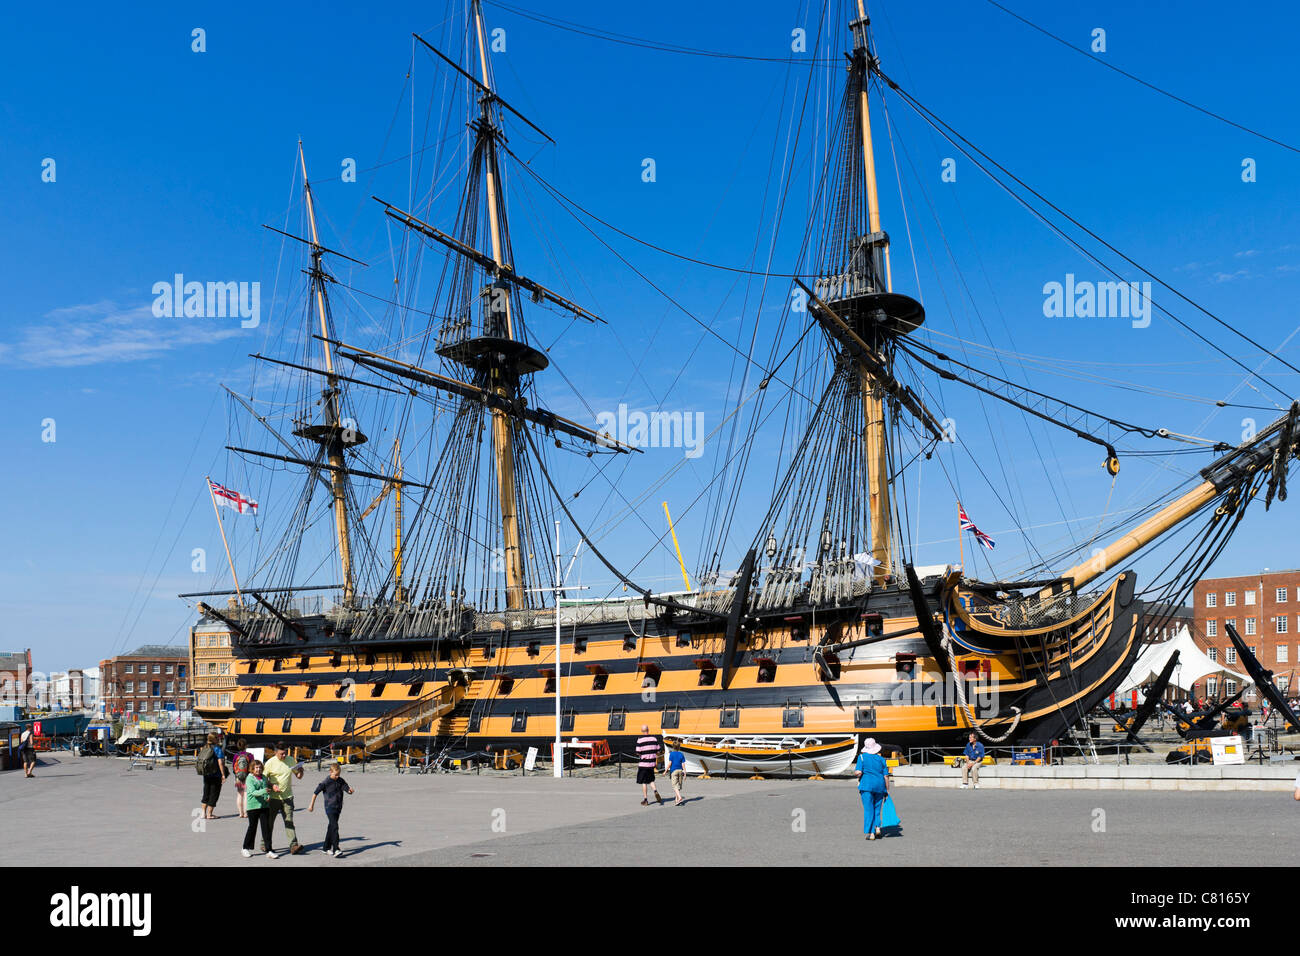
[
  {"x": 210, "y": 764},
  {"x": 240, "y": 765}
]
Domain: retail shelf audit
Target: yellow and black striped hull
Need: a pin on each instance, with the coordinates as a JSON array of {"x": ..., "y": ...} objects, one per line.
[{"x": 496, "y": 688}]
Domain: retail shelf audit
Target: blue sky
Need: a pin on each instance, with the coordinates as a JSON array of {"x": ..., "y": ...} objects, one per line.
[{"x": 169, "y": 161}]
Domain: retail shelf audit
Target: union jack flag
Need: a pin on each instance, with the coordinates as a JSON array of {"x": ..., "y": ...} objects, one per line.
[
  {"x": 232, "y": 499},
  {"x": 968, "y": 525}
]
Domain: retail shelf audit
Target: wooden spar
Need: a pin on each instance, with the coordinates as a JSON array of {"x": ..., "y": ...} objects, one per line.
[
  {"x": 1172, "y": 514},
  {"x": 677, "y": 547},
  {"x": 503, "y": 271},
  {"x": 540, "y": 416},
  {"x": 875, "y": 433},
  {"x": 333, "y": 438}
]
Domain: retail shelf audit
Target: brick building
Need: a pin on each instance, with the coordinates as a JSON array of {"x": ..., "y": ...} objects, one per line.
[
  {"x": 1265, "y": 609},
  {"x": 1161, "y": 622},
  {"x": 149, "y": 681},
  {"x": 15, "y": 677}
]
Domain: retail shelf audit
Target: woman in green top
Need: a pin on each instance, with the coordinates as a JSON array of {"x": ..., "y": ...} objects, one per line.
[{"x": 257, "y": 791}]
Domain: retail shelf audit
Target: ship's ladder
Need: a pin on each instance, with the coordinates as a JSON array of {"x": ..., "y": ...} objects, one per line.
[
  {"x": 455, "y": 723},
  {"x": 406, "y": 719}
]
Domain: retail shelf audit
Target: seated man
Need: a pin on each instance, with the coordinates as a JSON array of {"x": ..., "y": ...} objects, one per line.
[{"x": 971, "y": 765}]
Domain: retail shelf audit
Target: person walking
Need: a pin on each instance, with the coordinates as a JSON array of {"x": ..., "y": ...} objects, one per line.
[
  {"x": 647, "y": 751},
  {"x": 26, "y": 746},
  {"x": 281, "y": 775},
  {"x": 239, "y": 767},
  {"x": 211, "y": 765},
  {"x": 873, "y": 786},
  {"x": 333, "y": 787},
  {"x": 257, "y": 793},
  {"x": 970, "y": 767},
  {"x": 677, "y": 772}
]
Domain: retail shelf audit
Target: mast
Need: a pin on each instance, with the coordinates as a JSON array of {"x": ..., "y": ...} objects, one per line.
[
  {"x": 500, "y": 382},
  {"x": 332, "y": 435},
  {"x": 876, "y": 437}
]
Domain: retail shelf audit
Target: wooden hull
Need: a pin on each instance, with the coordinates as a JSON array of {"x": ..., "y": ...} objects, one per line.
[{"x": 1027, "y": 684}]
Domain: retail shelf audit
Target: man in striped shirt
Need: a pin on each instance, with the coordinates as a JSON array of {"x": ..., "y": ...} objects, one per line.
[{"x": 647, "y": 752}]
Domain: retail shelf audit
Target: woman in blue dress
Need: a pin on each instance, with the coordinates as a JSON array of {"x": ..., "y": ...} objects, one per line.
[{"x": 873, "y": 786}]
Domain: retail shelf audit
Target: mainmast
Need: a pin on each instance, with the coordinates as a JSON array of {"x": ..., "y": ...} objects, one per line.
[
  {"x": 876, "y": 438},
  {"x": 855, "y": 302},
  {"x": 501, "y": 382},
  {"x": 332, "y": 435}
]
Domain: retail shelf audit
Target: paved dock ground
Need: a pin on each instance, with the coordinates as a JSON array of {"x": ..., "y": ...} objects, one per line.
[{"x": 95, "y": 812}]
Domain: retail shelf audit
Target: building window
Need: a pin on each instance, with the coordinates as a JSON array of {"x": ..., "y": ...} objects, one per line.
[
  {"x": 1250, "y": 598},
  {"x": 1213, "y": 654},
  {"x": 1231, "y": 656},
  {"x": 130, "y": 668},
  {"x": 1282, "y": 623},
  {"x": 1250, "y": 626},
  {"x": 180, "y": 671},
  {"x": 130, "y": 687},
  {"x": 225, "y": 667},
  {"x": 1228, "y": 624},
  {"x": 169, "y": 668},
  {"x": 1211, "y": 628},
  {"x": 1211, "y": 600},
  {"x": 154, "y": 688},
  {"x": 130, "y": 706},
  {"x": 169, "y": 688},
  {"x": 1281, "y": 595},
  {"x": 1230, "y": 599},
  {"x": 1229, "y": 687},
  {"x": 157, "y": 668},
  {"x": 1282, "y": 655},
  {"x": 182, "y": 689},
  {"x": 212, "y": 668}
]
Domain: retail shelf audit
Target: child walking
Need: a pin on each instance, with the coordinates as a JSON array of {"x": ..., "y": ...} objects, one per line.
[
  {"x": 333, "y": 787},
  {"x": 257, "y": 792}
]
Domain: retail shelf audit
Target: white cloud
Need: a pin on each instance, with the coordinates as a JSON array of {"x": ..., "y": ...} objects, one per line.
[{"x": 102, "y": 332}]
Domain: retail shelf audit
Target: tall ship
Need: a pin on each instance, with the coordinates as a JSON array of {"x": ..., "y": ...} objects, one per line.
[{"x": 452, "y": 622}]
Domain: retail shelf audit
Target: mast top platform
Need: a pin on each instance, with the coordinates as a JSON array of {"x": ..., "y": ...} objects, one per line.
[{"x": 485, "y": 352}]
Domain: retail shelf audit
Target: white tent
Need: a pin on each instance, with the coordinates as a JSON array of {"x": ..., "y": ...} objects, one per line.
[{"x": 1193, "y": 664}]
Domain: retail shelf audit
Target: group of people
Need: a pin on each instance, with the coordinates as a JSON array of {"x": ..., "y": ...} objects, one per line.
[
  {"x": 264, "y": 793},
  {"x": 647, "y": 754}
]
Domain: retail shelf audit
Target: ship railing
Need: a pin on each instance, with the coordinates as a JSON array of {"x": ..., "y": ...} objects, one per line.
[
  {"x": 1054, "y": 754},
  {"x": 1031, "y": 612}
]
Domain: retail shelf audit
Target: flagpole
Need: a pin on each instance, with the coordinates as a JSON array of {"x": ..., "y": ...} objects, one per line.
[
  {"x": 961, "y": 540},
  {"x": 221, "y": 525}
]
